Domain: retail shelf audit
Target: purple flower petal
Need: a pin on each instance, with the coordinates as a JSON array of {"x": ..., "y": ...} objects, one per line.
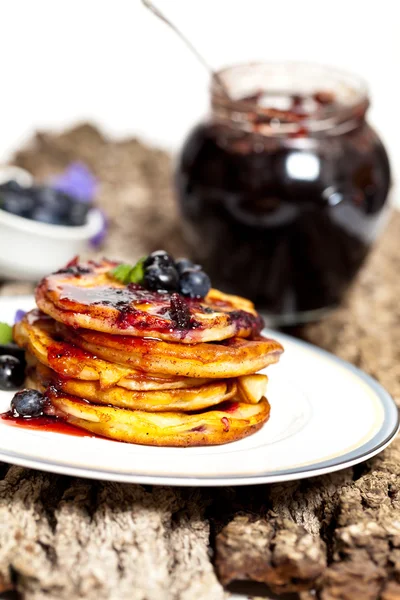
[
  {"x": 77, "y": 181},
  {"x": 19, "y": 315},
  {"x": 98, "y": 239}
]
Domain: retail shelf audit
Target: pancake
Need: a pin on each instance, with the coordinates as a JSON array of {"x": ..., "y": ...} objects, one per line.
[
  {"x": 186, "y": 400},
  {"x": 229, "y": 358},
  {"x": 37, "y": 334},
  {"x": 84, "y": 295},
  {"x": 229, "y": 422},
  {"x": 139, "y": 366}
]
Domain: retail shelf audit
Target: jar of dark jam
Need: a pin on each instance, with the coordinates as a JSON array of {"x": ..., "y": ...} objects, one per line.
[{"x": 284, "y": 188}]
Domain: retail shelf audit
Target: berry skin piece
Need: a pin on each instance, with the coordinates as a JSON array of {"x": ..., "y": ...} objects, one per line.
[
  {"x": 180, "y": 312},
  {"x": 12, "y": 372},
  {"x": 161, "y": 278},
  {"x": 195, "y": 284},
  {"x": 28, "y": 403}
]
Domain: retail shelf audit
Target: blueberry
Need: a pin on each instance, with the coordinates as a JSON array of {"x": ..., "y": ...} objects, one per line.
[
  {"x": 17, "y": 203},
  {"x": 53, "y": 202},
  {"x": 51, "y": 199},
  {"x": 44, "y": 215},
  {"x": 56, "y": 201},
  {"x": 11, "y": 186},
  {"x": 195, "y": 284},
  {"x": 161, "y": 278},
  {"x": 43, "y": 204},
  {"x": 12, "y": 372},
  {"x": 182, "y": 264},
  {"x": 53, "y": 206},
  {"x": 160, "y": 258},
  {"x": 28, "y": 403},
  {"x": 13, "y": 350},
  {"x": 78, "y": 212}
]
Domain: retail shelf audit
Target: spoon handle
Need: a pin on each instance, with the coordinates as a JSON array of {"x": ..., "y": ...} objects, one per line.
[{"x": 148, "y": 4}]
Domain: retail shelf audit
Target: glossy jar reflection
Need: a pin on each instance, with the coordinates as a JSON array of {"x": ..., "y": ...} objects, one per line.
[{"x": 282, "y": 204}]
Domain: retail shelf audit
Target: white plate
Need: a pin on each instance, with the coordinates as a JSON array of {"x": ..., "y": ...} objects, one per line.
[{"x": 325, "y": 415}]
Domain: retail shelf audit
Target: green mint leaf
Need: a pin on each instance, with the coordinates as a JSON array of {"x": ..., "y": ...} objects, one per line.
[
  {"x": 121, "y": 273},
  {"x": 137, "y": 272},
  {"x": 129, "y": 274},
  {"x": 5, "y": 333}
]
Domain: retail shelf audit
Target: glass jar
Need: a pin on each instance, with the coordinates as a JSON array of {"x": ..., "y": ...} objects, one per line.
[{"x": 284, "y": 188}]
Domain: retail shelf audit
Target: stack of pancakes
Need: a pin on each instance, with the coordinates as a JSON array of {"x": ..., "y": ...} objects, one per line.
[{"x": 146, "y": 367}]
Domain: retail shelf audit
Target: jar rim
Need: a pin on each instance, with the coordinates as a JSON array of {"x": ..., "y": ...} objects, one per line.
[{"x": 287, "y": 79}]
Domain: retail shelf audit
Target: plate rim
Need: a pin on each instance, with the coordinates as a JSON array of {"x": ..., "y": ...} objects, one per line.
[{"x": 372, "y": 447}]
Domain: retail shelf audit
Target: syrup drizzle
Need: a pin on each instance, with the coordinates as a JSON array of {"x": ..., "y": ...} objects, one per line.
[{"x": 52, "y": 424}]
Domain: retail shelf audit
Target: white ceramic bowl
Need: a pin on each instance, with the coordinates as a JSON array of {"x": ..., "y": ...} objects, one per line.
[{"x": 29, "y": 250}]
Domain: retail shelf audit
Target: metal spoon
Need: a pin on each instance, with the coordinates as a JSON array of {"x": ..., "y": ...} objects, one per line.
[{"x": 205, "y": 64}]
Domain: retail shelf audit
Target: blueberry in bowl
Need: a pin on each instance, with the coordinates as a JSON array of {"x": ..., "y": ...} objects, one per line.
[
  {"x": 44, "y": 225},
  {"x": 64, "y": 201}
]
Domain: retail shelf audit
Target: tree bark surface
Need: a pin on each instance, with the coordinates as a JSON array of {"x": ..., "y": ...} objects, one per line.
[{"x": 335, "y": 537}]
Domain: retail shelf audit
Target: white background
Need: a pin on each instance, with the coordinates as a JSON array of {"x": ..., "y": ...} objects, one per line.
[{"x": 112, "y": 62}]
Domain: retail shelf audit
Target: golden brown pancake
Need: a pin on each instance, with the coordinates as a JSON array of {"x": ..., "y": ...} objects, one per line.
[
  {"x": 84, "y": 295},
  {"x": 229, "y": 358},
  {"x": 226, "y": 423},
  {"x": 37, "y": 334},
  {"x": 186, "y": 400},
  {"x": 146, "y": 367}
]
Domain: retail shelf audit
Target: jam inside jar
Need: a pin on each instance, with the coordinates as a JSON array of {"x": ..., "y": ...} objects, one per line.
[{"x": 284, "y": 189}]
